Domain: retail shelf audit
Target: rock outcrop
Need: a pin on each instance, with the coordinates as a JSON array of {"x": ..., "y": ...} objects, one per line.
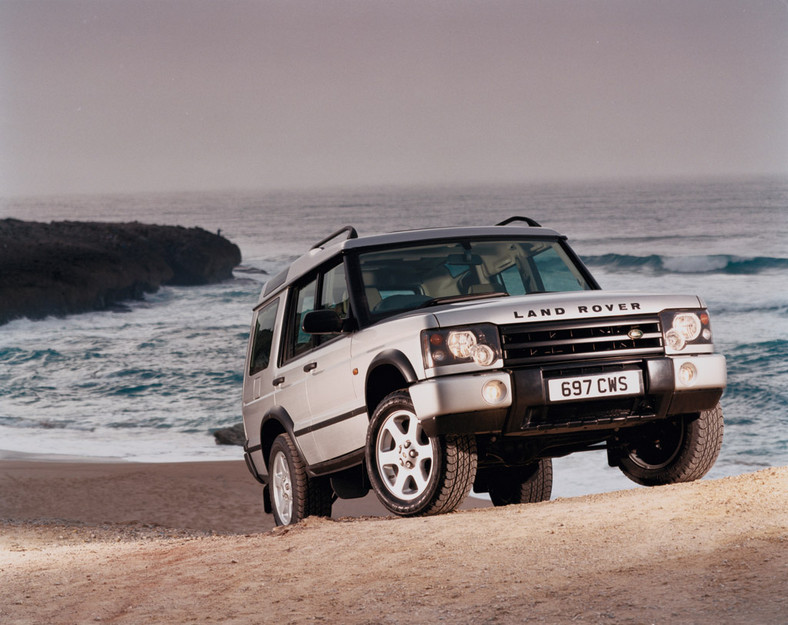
[
  {"x": 233, "y": 435},
  {"x": 68, "y": 267}
]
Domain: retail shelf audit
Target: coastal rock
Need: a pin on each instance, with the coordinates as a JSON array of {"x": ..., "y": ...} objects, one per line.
[
  {"x": 233, "y": 435},
  {"x": 67, "y": 267}
]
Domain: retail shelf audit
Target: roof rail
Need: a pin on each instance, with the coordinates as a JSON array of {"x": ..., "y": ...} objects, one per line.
[
  {"x": 351, "y": 234},
  {"x": 527, "y": 220}
]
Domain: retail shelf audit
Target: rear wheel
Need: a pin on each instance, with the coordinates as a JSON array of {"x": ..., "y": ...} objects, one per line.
[
  {"x": 294, "y": 495},
  {"x": 529, "y": 485},
  {"x": 411, "y": 473},
  {"x": 679, "y": 450}
]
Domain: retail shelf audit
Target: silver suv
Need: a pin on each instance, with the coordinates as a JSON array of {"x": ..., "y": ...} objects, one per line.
[{"x": 421, "y": 364}]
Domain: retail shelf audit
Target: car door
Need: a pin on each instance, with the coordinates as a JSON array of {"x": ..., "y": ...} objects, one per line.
[
  {"x": 339, "y": 418},
  {"x": 291, "y": 374}
]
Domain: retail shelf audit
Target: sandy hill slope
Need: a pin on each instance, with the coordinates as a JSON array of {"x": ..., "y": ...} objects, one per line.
[{"x": 709, "y": 552}]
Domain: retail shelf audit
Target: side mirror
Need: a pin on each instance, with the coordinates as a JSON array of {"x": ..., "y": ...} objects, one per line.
[{"x": 325, "y": 321}]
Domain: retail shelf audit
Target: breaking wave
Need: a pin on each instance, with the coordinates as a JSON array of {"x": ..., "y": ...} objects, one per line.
[{"x": 704, "y": 264}]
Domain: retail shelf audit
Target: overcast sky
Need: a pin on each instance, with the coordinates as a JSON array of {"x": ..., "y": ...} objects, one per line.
[{"x": 135, "y": 95}]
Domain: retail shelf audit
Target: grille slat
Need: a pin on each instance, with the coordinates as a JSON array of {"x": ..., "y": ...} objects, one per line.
[
  {"x": 544, "y": 342},
  {"x": 621, "y": 337}
]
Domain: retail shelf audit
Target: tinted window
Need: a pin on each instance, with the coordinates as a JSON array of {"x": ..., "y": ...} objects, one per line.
[
  {"x": 552, "y": 270},
  {"x": 334, "y": 293},
  {"x": 263, "y": 338},
  {"x": 512, "y": 281},
  {"x": 327, "y": 290}
]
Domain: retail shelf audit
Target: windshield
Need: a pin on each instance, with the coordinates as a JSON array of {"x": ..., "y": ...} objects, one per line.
[{"x": 409, "y": 277}]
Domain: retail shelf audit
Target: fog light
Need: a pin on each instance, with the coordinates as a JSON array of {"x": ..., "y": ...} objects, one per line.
[
  {"x": 687, "y": 374},
  {"x": 494, "y": 391}
]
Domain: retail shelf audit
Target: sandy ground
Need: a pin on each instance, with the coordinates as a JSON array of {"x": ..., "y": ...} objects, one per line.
[{"x": 188, "y": 543}]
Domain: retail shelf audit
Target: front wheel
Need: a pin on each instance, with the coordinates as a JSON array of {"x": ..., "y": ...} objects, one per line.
[
  {"x": 411, "y": 473},
  {"x": 680, "y": 450},
  {"x": 294, "y": 495}
]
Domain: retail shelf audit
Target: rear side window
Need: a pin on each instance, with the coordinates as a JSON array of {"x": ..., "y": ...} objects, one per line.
[{"x": 263, "y": 338}]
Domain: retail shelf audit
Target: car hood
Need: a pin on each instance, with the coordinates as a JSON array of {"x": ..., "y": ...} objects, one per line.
[{"x": 559, "y": 307}]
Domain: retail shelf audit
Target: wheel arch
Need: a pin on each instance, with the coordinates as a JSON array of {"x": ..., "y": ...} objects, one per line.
[
  {"x": 276, "y": 422},
  {"x": 389, "y": 371}
]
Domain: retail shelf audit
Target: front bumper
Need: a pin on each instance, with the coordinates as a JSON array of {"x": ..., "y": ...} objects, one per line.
[{"x": 456, "y": 404}]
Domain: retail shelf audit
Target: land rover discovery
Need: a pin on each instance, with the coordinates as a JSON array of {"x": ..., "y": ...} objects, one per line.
[{"x": 422, "y": 364}]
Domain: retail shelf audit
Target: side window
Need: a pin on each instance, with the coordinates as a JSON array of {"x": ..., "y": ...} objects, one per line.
[
  {"x": 327, "y": 290},
  {"x": 263, "y": 338},
  {"x": 334, "y": 293},
  {"x": 303, "y": 302}
]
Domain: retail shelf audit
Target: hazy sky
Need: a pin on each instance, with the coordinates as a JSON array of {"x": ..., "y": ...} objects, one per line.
[{"x": 136, "y": 95}]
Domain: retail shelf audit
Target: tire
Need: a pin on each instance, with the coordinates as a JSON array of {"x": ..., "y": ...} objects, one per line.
[
  {"x": 513, "y": 486},
  {"x": 293, "y": 494},
  {"x": 412, "y": 474},
  {"x": 681, "y": 450}
]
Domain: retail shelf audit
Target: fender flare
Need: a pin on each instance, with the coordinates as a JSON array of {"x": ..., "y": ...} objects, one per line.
[
  {"x": 280, "y": 416},
  {"x": 397, "y": 359},
  {"x": 390, "y": 359}
]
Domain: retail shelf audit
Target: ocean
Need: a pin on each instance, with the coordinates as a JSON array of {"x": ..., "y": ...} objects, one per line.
[{"x": 151, "y": 380}]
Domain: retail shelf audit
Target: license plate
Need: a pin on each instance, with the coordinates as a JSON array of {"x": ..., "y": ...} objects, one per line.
[{"x": 618, "y": 384}]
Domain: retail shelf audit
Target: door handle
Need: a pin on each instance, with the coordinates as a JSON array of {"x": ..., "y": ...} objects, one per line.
[
  {"x": 309, "y": 367},
  {"x": 278, "y": 381}
]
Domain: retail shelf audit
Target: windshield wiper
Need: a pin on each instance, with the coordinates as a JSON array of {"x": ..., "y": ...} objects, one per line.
[{"x": 450, "y": 299}]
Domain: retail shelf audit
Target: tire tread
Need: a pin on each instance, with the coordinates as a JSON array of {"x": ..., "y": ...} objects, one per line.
[
  {"x": 700, "y": 448},
  {"x": 506, "y": 487},
  {"x": 311, "y": 497}
]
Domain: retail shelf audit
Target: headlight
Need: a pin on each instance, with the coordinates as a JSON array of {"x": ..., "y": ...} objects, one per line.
[
  {"x": 685, "y": 327},
  {"x": 479, "y": 344},
  {"x": 462, "y": 343}
]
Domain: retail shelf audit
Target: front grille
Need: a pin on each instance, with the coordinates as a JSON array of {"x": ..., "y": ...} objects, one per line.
[{"x": 530, "y": 343}]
